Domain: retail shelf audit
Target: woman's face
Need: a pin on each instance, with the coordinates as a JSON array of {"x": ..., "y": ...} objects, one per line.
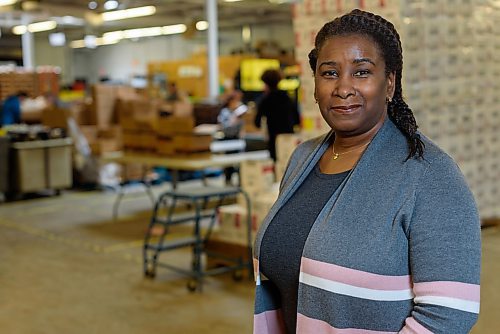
[{"x": 351, "y": 85}]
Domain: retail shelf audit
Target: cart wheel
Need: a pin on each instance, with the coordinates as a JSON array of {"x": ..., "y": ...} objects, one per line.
[
  {"x": 150, "y": 273},
  {"x": 192, "y": 285},
  {"x": 237, "y": 275}
]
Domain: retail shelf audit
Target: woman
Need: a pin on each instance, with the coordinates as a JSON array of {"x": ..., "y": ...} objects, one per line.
[
  {"x": 375, "y": 229},
  {"x": 280, "y": 111}
]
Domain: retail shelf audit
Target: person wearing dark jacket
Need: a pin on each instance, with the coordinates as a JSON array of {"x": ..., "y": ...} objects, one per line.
[{"x": 280, "y": 111}]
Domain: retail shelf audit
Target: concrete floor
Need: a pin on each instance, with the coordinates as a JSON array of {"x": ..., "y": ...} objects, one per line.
[{"x": 67, "y": 267}]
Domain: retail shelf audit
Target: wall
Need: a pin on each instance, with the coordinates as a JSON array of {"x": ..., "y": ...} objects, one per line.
[{"x": 55, "y": 56}]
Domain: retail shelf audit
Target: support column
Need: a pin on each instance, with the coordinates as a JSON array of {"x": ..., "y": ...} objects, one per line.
[
  {"x": 213, "y": 49},
  {"x": 28, "y": 48}
]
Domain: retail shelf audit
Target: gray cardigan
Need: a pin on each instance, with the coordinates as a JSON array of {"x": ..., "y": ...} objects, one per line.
[{"x": 396, "y": 249}]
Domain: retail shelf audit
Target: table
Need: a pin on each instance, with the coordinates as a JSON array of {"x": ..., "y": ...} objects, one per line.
[{"x": 191, "y": 162}]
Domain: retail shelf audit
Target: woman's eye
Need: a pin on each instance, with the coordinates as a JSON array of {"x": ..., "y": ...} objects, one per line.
[
  {"x": 361, "y": 73},
  {"x": 329, "y": 73}
]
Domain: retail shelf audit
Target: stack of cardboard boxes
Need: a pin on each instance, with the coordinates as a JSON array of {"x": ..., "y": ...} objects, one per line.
[
  {"x": 257, "y": 180},
  {"x": 285, "y": 145},
  {"x": 45, "y": 80},
  {"x": 12, "y": 82},
  {"x": 154, "y": 126}
]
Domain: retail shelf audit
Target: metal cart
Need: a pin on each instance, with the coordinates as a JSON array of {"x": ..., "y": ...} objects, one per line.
[{"x": 198, "y": 200}]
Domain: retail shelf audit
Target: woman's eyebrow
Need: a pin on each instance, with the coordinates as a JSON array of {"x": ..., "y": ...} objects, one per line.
[
  {"x": 328, "y": 63},
  {"x": 363, "y": 60}
]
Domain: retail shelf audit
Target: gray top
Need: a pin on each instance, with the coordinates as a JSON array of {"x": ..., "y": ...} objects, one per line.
[{"x": 286, "y": 235}]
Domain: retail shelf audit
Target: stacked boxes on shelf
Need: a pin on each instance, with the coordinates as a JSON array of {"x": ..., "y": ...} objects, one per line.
[
  {"x": 452, "y": 90},
  {"x": 15, "y": 81},
  {"x": 451, "y": 58},
  {"x": 45, "y": 80},
  {"x": 256, "y": 177},
  {"x": 231, "y": 225},
  {"x": 231, "y": 219},
  {"x": 138, "y": 118},
  {"x": 176, "y": 135},
  {"x": 147, "y": 127}
]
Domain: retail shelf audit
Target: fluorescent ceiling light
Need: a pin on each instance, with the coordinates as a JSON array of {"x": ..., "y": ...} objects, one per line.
[
  {"x": 42, "y": 26},
  {"x": 128, "y": 13},
  {"x": 34, "y": 27},
  {"x": 143, "y": 32},
  {"x": 19, "y": 30},
  {"x": 201, "y": 25},
  {"x": 113, "y": 37},
  {"x": 7, "y": 2},
  {"x": 232, "y": 0},
  {"x": 77, "y": 44},
  {"x": 174, "y": 29}
]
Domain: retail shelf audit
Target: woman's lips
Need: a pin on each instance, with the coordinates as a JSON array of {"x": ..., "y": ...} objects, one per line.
[{"x": 346, "y": 109}]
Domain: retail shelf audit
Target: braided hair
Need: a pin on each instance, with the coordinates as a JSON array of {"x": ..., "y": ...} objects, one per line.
[{"x": 383, "y": 33}]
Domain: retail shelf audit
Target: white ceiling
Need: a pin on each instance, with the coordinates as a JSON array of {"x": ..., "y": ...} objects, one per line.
[{"x": 230, "y": 14}]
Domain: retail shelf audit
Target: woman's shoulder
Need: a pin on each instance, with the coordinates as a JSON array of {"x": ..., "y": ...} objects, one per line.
[
  {"x": 439, "y": 164},
  {"x": 433, "y": 153}
]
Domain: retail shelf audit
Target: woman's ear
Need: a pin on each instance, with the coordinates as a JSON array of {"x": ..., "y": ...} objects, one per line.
[{"x": 391, "y": 84}]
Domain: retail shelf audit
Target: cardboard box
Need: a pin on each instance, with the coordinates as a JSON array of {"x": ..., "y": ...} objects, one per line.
[
  {"x": 286, "y": 144},
  {"x": 192, "y": 143},
  {"x": 103, "y": 105},
  {"x": 257, "y": 174},
  {"x": 104, "y": 145},
  {"x": 55, "y": 117},
  {"x": 145, "y": 114},
  {"x": 165, "y": 146},
  {"x": 231, "y": 226},
  {"x": 172, "y": 125}
]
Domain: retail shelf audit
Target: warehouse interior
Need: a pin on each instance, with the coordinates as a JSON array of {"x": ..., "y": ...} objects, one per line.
[{"x": 119, "y": 135}]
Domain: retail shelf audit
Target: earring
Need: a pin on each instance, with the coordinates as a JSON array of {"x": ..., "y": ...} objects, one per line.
[{"x": 388, "y": 99}]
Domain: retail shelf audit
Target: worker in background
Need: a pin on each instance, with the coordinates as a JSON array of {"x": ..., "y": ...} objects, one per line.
[
  {"x": 11, "y": 110},
  {"x": 230, "y": 115},
  {"x": 172, "y": 92},
  {"x": 230, "y": 120},
  {"x": 280, "y": 111}
]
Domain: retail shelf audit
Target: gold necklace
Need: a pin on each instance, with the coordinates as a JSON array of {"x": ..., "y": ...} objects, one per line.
[{"x": 335, "y": 155}]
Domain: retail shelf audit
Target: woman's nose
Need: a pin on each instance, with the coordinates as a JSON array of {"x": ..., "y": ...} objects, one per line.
[{"x": 344, "y": 87}]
